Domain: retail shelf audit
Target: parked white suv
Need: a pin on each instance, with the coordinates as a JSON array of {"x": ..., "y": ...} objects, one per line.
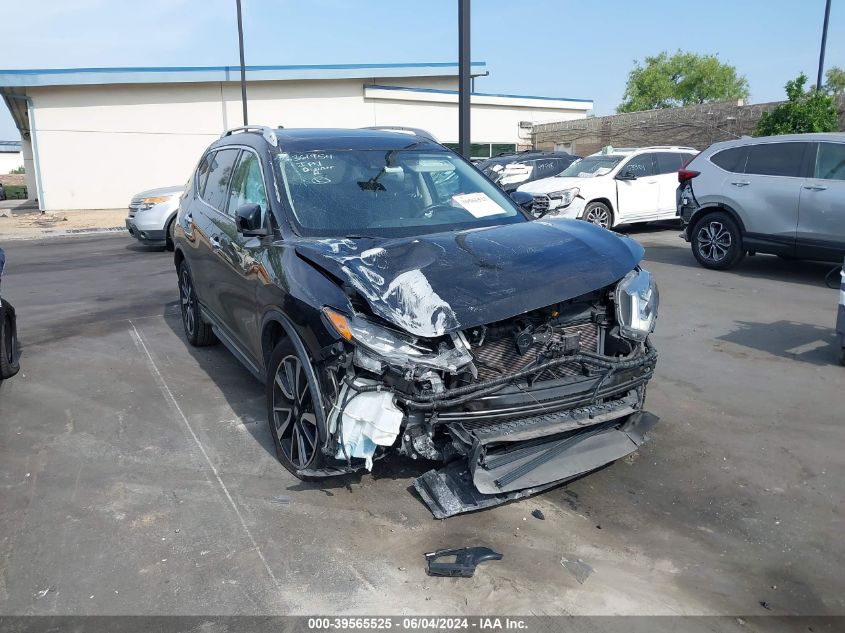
[
  {"x": 614, "y": 186},
  {"x": 151, "y": 215}
]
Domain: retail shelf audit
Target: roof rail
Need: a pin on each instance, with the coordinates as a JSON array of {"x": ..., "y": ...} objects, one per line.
[
  {"x": 267, "y": 132},
  {"x": 408, "y": 130}
]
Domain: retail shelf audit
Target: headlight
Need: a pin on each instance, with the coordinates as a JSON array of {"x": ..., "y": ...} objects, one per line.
[
  {"x": 382, "y": 344},
  {"x": 636, "y": 304},
  {"x": 565, "y": 197},
  {"x": 149, "y": 203}
]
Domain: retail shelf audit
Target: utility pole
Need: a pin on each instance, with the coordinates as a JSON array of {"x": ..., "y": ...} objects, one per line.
[
  {"x": 243, "y": 68},
  {"x": 824, "y": 45},
  {"x": 464, "y": 78}
]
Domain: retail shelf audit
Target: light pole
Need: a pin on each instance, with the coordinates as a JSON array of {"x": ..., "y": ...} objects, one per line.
[
  {"x": 243, "y": 68},
  {"x": 824, "y": 44},
  {"x": 464, "y": 79}
]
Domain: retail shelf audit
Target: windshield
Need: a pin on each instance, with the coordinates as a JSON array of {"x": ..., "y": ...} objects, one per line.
[
  {"x": 591, "y": 167},
  {"x": 344, "y": 193}
]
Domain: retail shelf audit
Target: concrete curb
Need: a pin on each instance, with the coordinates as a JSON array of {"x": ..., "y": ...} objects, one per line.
[{"x": 64, "y": 233}]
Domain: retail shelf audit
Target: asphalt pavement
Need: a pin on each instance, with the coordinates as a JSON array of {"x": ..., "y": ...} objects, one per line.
[{"x": 137, "y": 474}]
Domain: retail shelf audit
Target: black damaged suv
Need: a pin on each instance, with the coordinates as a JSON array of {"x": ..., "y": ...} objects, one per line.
[{"x": 393, "y": 300}]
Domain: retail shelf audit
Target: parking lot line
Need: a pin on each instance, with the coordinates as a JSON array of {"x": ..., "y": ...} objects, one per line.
[{"x": 168, "y": 396}]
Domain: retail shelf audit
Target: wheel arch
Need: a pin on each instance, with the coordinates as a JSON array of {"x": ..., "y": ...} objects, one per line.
[
  {"x": 178, "y": 257},
  {"x": 276, "y": 327},
  {"x": 605, "y": 201},
  {"x": 713, "y": 208}
]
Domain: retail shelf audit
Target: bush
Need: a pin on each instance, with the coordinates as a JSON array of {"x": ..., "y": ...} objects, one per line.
[{"x": 804, "y": 111}]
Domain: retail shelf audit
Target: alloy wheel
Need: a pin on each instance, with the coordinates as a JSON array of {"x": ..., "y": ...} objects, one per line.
[
  {"x": 598, "y": 216},
  {"x": 294, "y": 419},
  {"x": 189, "y": 304},
  {"x": 714, "y": 241}
]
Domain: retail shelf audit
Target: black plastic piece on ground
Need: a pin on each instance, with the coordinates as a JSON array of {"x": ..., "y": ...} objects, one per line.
[{"x": 466, "y": 560}]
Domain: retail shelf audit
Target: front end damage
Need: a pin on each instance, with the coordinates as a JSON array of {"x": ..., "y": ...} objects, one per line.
[{"x": 509, "y": 408}]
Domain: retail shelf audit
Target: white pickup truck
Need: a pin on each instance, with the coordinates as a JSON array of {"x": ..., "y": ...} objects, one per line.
[{"x": 614, "y": 186}]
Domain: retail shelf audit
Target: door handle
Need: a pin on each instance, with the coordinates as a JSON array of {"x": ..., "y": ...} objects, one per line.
[
  {"x": 651, "y": 182},
  {"x": 815, "y": 187},
  {"x": 215, "y": 242},
  {"x": 740, "y": 183}
]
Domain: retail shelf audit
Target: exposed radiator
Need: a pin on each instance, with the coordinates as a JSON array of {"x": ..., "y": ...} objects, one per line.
[{"x": 501, "y": 357}]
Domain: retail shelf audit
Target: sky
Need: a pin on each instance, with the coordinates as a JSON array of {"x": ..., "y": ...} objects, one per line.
[{"x": 557, "y": 48}]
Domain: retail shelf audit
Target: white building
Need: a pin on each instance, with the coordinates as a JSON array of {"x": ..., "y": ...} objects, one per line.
[
  {"x": 11, "y": 156},
  {"x": 92, "y": 137}
]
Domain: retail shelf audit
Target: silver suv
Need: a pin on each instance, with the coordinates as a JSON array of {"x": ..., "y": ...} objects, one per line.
[{"x": 783, "y": 195}]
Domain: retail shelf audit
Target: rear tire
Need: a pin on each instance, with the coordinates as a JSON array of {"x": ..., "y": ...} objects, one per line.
[
  {"x": 9, "y": 357},
  {"x": 717, "y": 241},
  {"x": 842, "y": 356},
  {"x": 291, "y": 398},
  {"x": 197, "y": 331},
  {"x": 598, "y": 213}
]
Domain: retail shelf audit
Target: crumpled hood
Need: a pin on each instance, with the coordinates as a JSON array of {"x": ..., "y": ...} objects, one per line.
[
  {"x": 555, "y": 183},
  {"x": 444, "y": 282}
]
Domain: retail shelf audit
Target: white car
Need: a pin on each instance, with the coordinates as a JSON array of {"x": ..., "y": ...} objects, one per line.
[
  {"x": 614, "y": 186},
  {"x": 152, "y": 214}
]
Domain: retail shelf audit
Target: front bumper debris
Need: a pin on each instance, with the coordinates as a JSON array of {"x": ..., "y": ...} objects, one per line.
[{"x": 529, "y": 467}]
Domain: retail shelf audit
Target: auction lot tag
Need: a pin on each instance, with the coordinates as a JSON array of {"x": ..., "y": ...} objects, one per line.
[{"x": 478, "y": 204}]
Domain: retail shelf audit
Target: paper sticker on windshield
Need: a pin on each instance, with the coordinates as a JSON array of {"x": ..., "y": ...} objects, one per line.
[{"x": 478, "y": 204}]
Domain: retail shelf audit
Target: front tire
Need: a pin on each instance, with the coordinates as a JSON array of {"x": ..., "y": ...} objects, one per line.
[
  {"x": 9, "y": 357},
  {"x": 291, "y": 400},
  {"x": 717, "y": 241},
  {"x": 598, "y": 213},
  {"x": 168, "y": 231},
  {"x": 197, "y": 331}
]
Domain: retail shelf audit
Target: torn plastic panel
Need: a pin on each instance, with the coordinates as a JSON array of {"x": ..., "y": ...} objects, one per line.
[{"x": 464, "y": 486}]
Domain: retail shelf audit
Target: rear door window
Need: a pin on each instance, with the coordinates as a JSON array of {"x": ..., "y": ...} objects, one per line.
[
  {"x": 830, "y": 161},
  {"x": 776, "y": 159},
  {"x": 216, "y": 188},
  {"x": 640, "y": 166},
  {"x": 669, "y": 162},
  {"x": 202, "y": 173},
  {"x": 731, "y": 159}
]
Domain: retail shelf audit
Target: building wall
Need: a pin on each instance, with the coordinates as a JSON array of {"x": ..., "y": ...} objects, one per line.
[
  {"x": 98, "y": 145},
  {"x": 10, "y": 161},
  {"x": 694, "y": 126}
]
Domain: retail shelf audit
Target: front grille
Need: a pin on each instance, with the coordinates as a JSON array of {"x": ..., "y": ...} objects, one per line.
[
  {"x": 501, "y": 357},
  {"x": 541, "y": 204}
]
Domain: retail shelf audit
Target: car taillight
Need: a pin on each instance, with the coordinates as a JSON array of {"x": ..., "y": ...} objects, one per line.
[{"x": 686, "y": 174}]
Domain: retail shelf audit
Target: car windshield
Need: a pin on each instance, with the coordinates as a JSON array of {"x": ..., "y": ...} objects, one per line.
[
  {"x": 591, "y": 167},
  {"x": 378, "y": 193}
]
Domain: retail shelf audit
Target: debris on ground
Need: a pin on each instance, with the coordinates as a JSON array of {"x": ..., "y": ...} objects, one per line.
[
  {"x": 465, "y": 561},
  {"x": 282, "y": 500},
  {"x": 765, "y": 605},
  {"x": 577, "y": 568},
  {"x": 538, "y": 514}
]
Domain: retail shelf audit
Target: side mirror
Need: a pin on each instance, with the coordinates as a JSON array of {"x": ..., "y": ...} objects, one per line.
[
  {"x": 523, "y": 199},
  {"x": 248, "y": 220},
  {"x": 627, "y": 175}
]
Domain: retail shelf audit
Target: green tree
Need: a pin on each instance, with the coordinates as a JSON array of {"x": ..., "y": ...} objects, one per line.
[
  {"x": 681, "y": 79},
  {"x": 835, "y": 80},
  {"x": 804, "y": 111}
]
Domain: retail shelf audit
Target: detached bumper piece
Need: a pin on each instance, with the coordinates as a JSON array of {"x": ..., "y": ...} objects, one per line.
[
  {"x": 466, "y": 559},
  {"x": 500, "y": 472}
]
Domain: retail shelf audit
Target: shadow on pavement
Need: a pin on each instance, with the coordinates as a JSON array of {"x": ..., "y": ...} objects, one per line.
[
  {"x": 787, "y": 339},
  {"x": 759, "y": 266}
]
